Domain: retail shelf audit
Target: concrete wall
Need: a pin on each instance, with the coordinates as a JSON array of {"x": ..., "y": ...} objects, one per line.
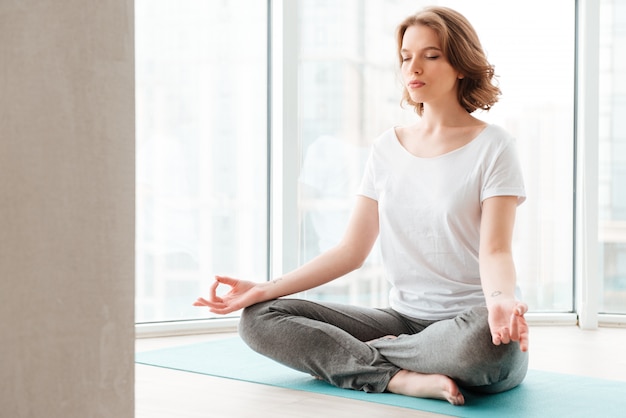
[{"x": 66, "y": 208}]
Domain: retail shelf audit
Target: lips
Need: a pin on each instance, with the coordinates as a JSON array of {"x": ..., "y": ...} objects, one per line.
[{"x": 415, "y": 84}]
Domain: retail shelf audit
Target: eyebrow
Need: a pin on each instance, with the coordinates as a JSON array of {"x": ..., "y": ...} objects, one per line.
[{"x": 428, "y": 48}]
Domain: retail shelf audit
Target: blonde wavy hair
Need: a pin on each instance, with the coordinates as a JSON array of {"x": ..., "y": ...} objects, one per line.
[{"x": 462, "y": 48}]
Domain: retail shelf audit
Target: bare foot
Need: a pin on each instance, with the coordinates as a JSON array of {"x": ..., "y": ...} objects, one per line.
[{"x": 419, "y": 385}]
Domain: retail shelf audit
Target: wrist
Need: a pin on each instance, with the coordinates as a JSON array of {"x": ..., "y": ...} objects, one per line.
[
  {"x": 498, "y": 296},
  {"x": 270, "y": 290}
]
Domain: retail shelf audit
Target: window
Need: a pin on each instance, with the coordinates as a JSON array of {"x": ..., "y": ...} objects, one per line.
[
  {"x": 201, "y": 150},
  {"x": 202, "y": 140},
  {"x": 612, "y": 152}
]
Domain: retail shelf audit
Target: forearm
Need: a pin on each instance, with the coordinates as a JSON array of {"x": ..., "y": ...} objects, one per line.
[
  {"x": 498, "y": 277},
  {"x": 347, "y": 256},
  {"x": 326, "y": 267},
  {"x": 497, "y": 272}
]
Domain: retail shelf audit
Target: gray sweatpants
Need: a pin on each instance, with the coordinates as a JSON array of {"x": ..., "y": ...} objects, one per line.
[{"x": 328, "y": 341}]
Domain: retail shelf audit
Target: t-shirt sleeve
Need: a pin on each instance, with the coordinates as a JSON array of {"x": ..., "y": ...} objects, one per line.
[{"x": 504, "y": 176}]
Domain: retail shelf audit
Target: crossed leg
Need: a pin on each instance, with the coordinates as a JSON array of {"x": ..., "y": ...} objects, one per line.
[
  {"x": 335, "y": 343},
  {"x": 420, "y": 385}
]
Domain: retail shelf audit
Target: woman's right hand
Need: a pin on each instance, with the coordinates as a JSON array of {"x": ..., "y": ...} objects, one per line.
[{"x": 242, "y": 294}]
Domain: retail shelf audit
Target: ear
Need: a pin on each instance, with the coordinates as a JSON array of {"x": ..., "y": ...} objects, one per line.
[{"x": 460, "y": 76}]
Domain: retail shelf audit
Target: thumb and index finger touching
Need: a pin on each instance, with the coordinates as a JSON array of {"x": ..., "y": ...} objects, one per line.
[
  {"x": 213, "y": 297},
  {"x": 225, "y": 280}
]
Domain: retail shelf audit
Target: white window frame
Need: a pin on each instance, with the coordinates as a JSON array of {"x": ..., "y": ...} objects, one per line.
[
  {"x": 586, "y": 283},
  {"x": 284, "y": 238}
]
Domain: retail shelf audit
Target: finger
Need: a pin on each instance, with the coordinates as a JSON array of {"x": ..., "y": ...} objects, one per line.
[
  {"x": 518, "y": 322},
  {"x": 505, "y": 337},
  {"x": 524, "y": 340},
  {"x": 210, "y": 304},
  {"x": 200, "y": 302},
  {"x": 496, "y": 339},
  {"x": 213, "y": 292},
  {"x": 514, "y": 327},
  {"x": 224, "y": 310},
  {"x": 228, "y": 307},
  {"x": 520, "y": 309},
  {"x": 226, "y": 280},
  {"x": 523, "y": 333}
]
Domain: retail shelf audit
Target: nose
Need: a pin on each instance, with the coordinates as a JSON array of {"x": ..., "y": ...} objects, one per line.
[{"x": 415, "y": 67}]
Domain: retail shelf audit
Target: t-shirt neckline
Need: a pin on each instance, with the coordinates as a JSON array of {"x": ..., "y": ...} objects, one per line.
[{"x": 454, "y": 151}]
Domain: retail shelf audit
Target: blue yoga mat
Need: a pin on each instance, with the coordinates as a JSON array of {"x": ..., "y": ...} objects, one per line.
[{"x": 542, "y": 394}]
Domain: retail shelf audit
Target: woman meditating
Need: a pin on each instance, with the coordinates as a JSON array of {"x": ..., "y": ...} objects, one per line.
[{"x": 441, "y": 197}]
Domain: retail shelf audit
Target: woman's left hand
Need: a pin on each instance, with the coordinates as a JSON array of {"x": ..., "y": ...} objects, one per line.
[{"x": 507, "y": 322}]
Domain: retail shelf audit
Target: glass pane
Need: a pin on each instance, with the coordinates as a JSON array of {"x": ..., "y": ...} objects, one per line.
[
  {"x": 350, "y": 93},
  {"x": 201, "y": 150},
  {"x": 612, "y": 137}
]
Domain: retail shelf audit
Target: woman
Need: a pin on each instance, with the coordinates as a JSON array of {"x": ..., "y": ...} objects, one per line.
[{"x": 441, "y": 195}]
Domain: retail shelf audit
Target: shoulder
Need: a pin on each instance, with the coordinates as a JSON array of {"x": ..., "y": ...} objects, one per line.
[
  {"x": 496, "y": 133},
  {"x": 494, "y": 140},
  {"x": 387, "y": 136},
  {"x": 385, "y": 140}
]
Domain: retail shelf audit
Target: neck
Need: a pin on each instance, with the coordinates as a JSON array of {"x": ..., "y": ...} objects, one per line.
[{"x": 435, "y": 117}]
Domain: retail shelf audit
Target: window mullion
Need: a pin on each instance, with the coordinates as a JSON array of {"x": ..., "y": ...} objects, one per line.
[
  {"x": 284, "y": 141},
  {"x": 588, "y": 283}
]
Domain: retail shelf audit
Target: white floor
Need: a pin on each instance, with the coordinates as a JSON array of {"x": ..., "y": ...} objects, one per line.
[{"x": 165, "y": 393}]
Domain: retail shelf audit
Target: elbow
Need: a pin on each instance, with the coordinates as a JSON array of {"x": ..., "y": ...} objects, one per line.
[
  {"x": 353, "y": 258},
  {"x": 359, "y": 264},
  {"x": 356, "y": 261},
  {"x": 495, "y": 250}
]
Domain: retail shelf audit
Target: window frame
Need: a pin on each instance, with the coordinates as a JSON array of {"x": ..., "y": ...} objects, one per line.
[{"x": 586, "y": 117}]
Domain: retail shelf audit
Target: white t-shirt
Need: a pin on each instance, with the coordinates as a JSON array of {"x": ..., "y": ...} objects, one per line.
[{"x": 429, "y": 215}]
